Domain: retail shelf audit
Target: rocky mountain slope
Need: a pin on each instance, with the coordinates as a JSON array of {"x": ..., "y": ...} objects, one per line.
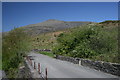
[{"x": 51, "y": 25}]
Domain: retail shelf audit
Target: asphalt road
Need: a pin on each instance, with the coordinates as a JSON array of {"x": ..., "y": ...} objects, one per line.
[
  {"x": 2, "y": 74},
  {"x": 63, "y": 69}
]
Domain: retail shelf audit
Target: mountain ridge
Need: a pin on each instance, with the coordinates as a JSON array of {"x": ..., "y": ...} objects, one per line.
[{"x": 51, "y": 25}]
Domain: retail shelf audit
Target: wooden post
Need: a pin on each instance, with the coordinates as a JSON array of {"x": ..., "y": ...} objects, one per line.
[
  {"x": 79, "y": 62},
  {"x": 31, "y": 62},
  {"x": 46, "y": 73},
  {"x": 34, "y": 66},
  {"x": 27, "y": 58},
  {"x": 39, "y": 68}
]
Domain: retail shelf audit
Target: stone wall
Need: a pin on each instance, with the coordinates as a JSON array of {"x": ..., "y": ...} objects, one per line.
[
  {"x": 112, "y": 68},
  {"x": 69, "y": 59}
]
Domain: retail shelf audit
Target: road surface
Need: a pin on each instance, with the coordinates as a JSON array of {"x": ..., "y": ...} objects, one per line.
[
  {"x": 2, "y": 74},
  {"x": 63, "y": 69}
]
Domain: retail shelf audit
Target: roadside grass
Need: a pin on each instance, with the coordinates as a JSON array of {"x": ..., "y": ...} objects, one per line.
[
  {"x": 0, "y": 52},
  {"x": 0, "y": 59},
  {"x": 14, "y": 46},
  {"x": 0, "y": 64},
  {"x": 50, "y": 54}
]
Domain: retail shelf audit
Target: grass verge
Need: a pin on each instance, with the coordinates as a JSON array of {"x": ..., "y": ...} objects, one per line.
[{"x": 47, "y": 53}]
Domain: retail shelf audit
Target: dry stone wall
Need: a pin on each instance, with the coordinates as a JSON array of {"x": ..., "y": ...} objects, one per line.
[{"x": 112, "y": 68}]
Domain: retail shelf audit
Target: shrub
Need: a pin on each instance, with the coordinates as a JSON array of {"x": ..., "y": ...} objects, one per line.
[
  {"x": 87, "y": 41},
  {"x": 15, "y": 44}
]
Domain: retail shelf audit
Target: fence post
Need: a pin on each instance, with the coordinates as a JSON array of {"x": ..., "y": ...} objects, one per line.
[
  {"x": 31, "y": 62},
  {"x": 34, "y": 66},
  {"x": 39, "y": 68},
  {"x": 46, "y": 73},
  {"x": 27, "y": 58},
  {"x": 79, "y": 62}
]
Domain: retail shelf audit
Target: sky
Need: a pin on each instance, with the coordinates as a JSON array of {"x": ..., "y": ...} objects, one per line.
[{"x": 17, "y": 14}]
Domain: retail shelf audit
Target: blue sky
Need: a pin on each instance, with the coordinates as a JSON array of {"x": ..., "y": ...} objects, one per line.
[{"x": 17, "y": 14}]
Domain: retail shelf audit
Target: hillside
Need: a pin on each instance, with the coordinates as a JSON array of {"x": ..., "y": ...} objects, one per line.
[
  {"x": 49, "y": 39},
  {"x": 97, "y": 41},
  {"x": 51, "y": 25}
]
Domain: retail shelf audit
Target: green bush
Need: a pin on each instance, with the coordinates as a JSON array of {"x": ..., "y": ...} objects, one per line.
[
  {"x": 14, "y": 46},
  {"x": 87, "y": 42},
  {"x": 69, "y": 42}
]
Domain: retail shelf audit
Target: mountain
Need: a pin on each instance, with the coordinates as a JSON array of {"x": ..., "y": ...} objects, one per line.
[
  {"x": 98, "y": 41},
  {"x": 51, "y": 25}
]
